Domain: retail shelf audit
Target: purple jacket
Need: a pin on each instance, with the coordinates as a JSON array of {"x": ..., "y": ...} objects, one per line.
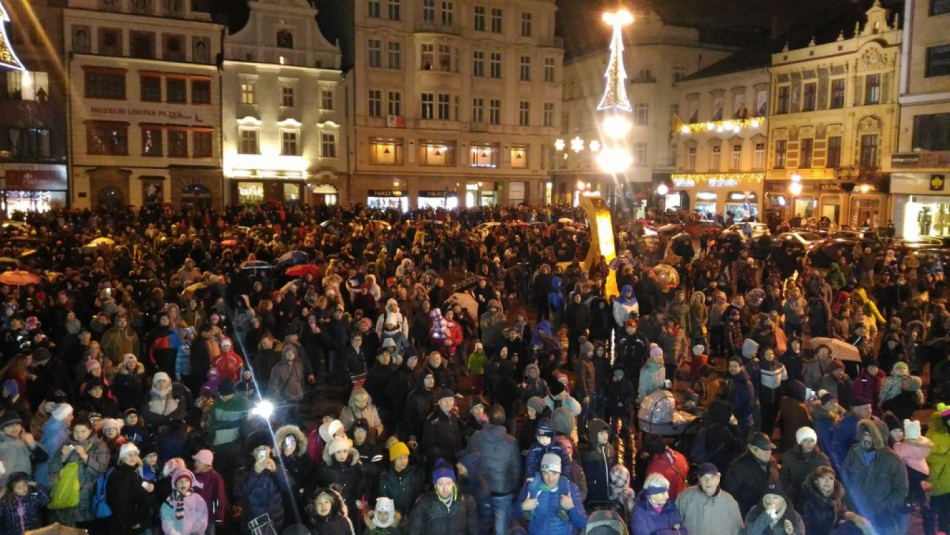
[{"x": 210, "y": 486}]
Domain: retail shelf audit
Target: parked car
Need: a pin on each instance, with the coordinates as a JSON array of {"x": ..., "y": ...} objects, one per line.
[
  {"x": 822, "y": 254},
  {"x": 728, "y": 245},
  {"x": 702, "y": 227},
  {"x": 758, "y": 229},
  {"x": 791, "y": 245}
]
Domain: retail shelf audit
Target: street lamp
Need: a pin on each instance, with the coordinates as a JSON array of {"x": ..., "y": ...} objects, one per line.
[
  {"x": 795, "y": 188},
  {"x": 662, "y": 190}
]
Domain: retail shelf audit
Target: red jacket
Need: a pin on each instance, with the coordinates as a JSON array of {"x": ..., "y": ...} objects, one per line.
[
  {"x": 869, "y": 386},
  {"x": 673, "y": 466},
  {"x": 229, "y": 365}
]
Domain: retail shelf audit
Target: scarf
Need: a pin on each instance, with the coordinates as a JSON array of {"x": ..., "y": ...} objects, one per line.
[
  {"x": 162, "y": 402},
  {"x": 179, "y": 504}
]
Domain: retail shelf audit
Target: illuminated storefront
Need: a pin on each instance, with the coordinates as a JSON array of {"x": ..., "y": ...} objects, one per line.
[
  {"x": 716, "y": 194},
  {"x": 387, "y": 199},
  {"x": 921, "y": 204},
  {"x": 437, "y": 199},
  {"x": 34, "y": 187}
]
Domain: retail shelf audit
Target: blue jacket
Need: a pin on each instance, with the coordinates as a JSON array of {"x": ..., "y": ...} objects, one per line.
[
  {"x": 34, "y": 503},
  {"x": 260, "y": 493},
  {"x": 644, "y": 520},
  {"x": 544, "y": 519},
  {"x": 55, "y": 435},
  {"x": 501, "y": 458},
  {"x": 532, "y": 463}
]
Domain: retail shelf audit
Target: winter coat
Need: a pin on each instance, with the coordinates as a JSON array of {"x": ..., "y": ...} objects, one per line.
[
  {"x": 652, "y": 378},
  {"x": 418, "y": 407},
  {"x": 821, "y": 514},
  {"x": 796, "y": 466},
  {"x": 672, "y": 465},
  {"x": 260, "y": 494},
  {"x": 596, "y": 460},
  {"x": 500, "y": 457},
  {"x": 544, "y": 519},
  {"x": 298, "y": 465},
  {"x": 879, "y": 486},
  {"x": 746, "y": 480},
  {"x": 160, "y": 408},
  {"x": 430, "y": 516},
  {"x": 33, "y": 505},
  {"x": 442, "y": 437},
  {"x": 347, "y": 476},
  {"x": 195, "y": 521},
  {"x": 226, "y": 419},
  {"x": 645, "y": 520},
  {"x": 709, "y": 515},
  {"x": 210, "y": 485},
  {"x": 129, "y": 388},
  {"x": 939, "y": 458},
  {"x": 55, "y": 434},
  {"x": 794, "y": 415},
  {"x": 741, "y": 394},
  {"x": 130, "y": 503},
  {"x": 287, "y": 380},
  {"x": 757, "y": 522},
  {"x": 403, "y": 487},
  {"x": 532, "y": 463},
  {"x": 89, "y": 471},
  {"x": 396, "y": 528},
  {"x": 585, "y": 385}
]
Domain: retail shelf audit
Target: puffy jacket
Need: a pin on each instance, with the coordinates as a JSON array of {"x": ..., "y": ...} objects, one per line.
[
  {"x": 746, "y": 480},
  {"x": 347, "y": 476},
  {"x": 260, "y": 494},
  {"x": 298, "y": 465},
  {"x": 672, "y": 465},
  {"x": 877, "y": 487},
  {"x": 403, "y": 487},
  {"x": 130, "y": 503},
  {"x": 645, "y": 520},
  {"x": 796, "y": 466},
  {"x": 532, "y": 463},
  {"x": 501, "y": 458},
  {"x": 442, "y": 437},
  {"x": 596, "y": 460},
  {"x": 939, "y": 458},
  {"x": 34, "y": 504},
  {"x": 432, "y": 517},
  {"x": 821, "y": 514},
  {"x": 544, "y": 519}
]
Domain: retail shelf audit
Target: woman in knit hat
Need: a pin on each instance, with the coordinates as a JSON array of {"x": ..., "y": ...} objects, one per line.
[
  {"x": 127, "y": 495},
  {"x": 184, "y": 512},
  {"x": 341, "y": 467},
  {"x": 111, "y": 434},
  {"x": 800, "y": 461},
  {"x": 328, "y": 513},
  {"x": 913, "y": 449},
  {"x": 402, "y": 481},
  {"x": 130, "y": 383},
  {"x": 901, "y": 392}
]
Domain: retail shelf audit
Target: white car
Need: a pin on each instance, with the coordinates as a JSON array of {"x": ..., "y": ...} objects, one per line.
[{"x": 758, "y": 229}]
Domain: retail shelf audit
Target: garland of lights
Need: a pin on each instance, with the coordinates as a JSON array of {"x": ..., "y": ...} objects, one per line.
[
  {"x": 730, "y": 125},
  {"x": 8, "y": 57}
]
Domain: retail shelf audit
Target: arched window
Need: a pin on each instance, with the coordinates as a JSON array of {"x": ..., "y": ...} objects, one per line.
[
  {"x": 195, "y": 196},
  {"x": 285, "y": 39},
  {"x": 111, "y": 199}
]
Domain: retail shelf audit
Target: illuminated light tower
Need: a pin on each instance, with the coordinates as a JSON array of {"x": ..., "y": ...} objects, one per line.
[
  {"x": 8, "y": 57},
  {"x": 614, "y": 156}
]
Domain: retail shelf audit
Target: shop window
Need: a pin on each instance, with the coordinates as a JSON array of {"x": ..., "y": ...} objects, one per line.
[
  {"x": 806, "y": 151},
  {"x": 938, "y": 60},
  {"x": 519, "y": 157},
  {"x": 104, "y": 138},
  {"x": 328, "y": 145},
  {"x": 178, "y": 143},
  {"x": 285, "y": 39},
  {"x": 868, "y": 151},
  {"x": 175, "y": 90},
  {"x": 932, "y": 132},
  {"x": 202, "y": 141},
  {"x": 150, "y": 87},
  {"x": 29, "y": 142},
  {"x": 173, "y": 47},
  {"x": 484, "y": 156},
  {"x": 196, "y": 196},
  {"x": 200, "y": 91},
  {"x": 111, "y": 199},
  {"x": 250, "y": 192},
  {"x": 436, "y": 154},
  {"x": 105, "y": 84},
  {"x": 386, "y": 152},
  {"x": 152, "y": 141},
  {"x": 142, "y": 45},
  {"x": 153, "y": 194},
  {"x": 833, "y": 160},
  {"x": 28, "y": 85},
  {"x": 291, "y": 192}
]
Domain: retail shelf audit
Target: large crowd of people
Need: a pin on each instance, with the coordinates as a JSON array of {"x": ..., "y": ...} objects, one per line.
[{"x": 296, "y": 369}]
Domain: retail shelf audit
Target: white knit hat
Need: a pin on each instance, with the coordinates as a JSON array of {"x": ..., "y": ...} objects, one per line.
[
  {"x": 338, "y": 444},
  {"x": 127, "y": 449},
  {"x": 62, "y": 411},
  {"x": 911, "y": 430},
  {"x": 159, "y": 376},
  {"x": 698, "y": 349},
  {"x": 804, "y": 433}
]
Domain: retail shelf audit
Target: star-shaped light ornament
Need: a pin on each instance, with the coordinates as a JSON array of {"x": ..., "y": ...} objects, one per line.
[
  {"x": 559, "y": 144},
  {"x": 594, "y": 145},
  {"x": 577, "y": 144}
]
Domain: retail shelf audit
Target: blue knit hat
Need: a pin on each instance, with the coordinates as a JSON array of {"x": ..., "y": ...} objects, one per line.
[
  {"x": 11, "y": 387},
  {"x": 442, "y": 469}
]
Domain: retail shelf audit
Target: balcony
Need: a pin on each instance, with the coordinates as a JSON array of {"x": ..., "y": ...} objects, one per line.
[
  {"x": 648, "y": 79},
  {"x": 434, "y": 27}
]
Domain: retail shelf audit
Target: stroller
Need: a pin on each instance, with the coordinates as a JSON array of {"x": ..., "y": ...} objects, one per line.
[
  {"x": 606, "y": 522},
  {"x": 658, "y": 415}
]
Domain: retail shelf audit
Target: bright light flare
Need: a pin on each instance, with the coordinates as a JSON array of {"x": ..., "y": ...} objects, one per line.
[
  {"x": 616, "y": 127},
  {"x": 662, "y": 189},
  {"x": 264, "y": 409},
  {"x": 559, "y": 144},
  {"x": 621, "y": 17},
  {"x": 614, "y": 160},
  {"x": 795, "y": 188}
]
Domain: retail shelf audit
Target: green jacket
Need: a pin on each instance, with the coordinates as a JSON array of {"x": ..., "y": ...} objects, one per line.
[{"x": 939, "y": 458}]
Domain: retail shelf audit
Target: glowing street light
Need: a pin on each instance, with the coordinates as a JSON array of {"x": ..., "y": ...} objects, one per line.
[
  {"x": 614, "y": 160},
  {"x": 616, "y": 126},
  {"x": 662, "y": 189}
]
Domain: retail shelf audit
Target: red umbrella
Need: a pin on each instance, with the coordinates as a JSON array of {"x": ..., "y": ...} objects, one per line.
[
  {"x": 302, "y": 269},
  {"x": 229, "y": 243}
]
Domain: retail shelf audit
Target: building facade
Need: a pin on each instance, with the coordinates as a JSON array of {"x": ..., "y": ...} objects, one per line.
[
  {"x": 284, "y": 105},
  {"x": 32, "y": 104},
  {"x": 920, "y": 165},
  {"x": 834, "y": 113},
  {"x": 656, "y": 56},
  {"x": 723, "y": 140},
  {"x": 456, "y": 103},
  {"x": 144, "y": 112}
]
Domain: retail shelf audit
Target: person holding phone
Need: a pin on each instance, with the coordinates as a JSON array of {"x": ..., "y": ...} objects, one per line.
[{"x": 127, "y": 494}]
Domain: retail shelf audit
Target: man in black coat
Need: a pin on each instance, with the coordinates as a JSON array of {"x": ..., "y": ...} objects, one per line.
[
  {"x": 446, "y": 510},
  {"x": 51, "y": 375},
  {"x": 442, "y": 436},
  {"x": 749, "y": 475},
  {"x": 418, "y": 407}
]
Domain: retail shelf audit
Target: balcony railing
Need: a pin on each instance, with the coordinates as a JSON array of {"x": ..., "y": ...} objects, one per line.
[{"x": 435, "y": 27}]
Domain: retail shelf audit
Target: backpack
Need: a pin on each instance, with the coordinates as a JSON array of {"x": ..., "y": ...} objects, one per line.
[{"x": 100, "y": 504}]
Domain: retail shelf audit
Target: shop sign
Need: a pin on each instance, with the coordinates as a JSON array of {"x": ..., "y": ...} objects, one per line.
[
  {"x": 937, "y": 182},
  {"x": 684, "y": 182},
  {"x": 903, "y": 160},
  {"x": 829, "y": 187},
  {"x": 722, "y": 182},
  {"x": 153, "y": 113},
  {"x": 386, "y": 193},
  {"x": 774, "y": 186},
  {"x": 35, "y": 177},
  {"x": 439, "y": 194}
]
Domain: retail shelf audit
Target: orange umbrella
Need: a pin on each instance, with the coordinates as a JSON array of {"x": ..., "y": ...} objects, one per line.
[
  {"x": 18, "y": 278},
  {"x": 229, "y": 243},
  {"x": 303, "y": 269}
]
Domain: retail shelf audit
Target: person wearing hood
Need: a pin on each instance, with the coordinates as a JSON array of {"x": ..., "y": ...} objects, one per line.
[
  {"x": 773, "y": 515},
  {"x": 666, "y": 461},
  {"x": 741, "y": 393},
  {"x": 823, "y": 507},
  {"x": 327, "y": 513},
  {"x": 868, "y": 385},
  {"x": 361, "y": 406},
  {"x": 901, "y": 392},
  {"x": 655, "y": 511},
  {"x": 892, "y": 352},
  {"x": 633, "y": 347},
  {"x": 749, "y": 475},
  {"x": 228, "y": 363},
  {"x": 292, "y": 447},
  {"x": 491, "y": 324},
  {"x": 601, "y": 320},
  {"x": 652, "y": 374},
  {"x": 624, "y": 307},
  {"x": 287, "y": 380},
  {"x": 597, "y": 459},
  {"x": 876, "y": 478},
  {"x": 419, "y": 405},
  {"x": 377, "y": 381},
  {"x": 383, "y": 519},
  {"x": 706, "y": 508},
  {"x": 835, "y": 277},
  {"x": 577, "y": 319},
  {"x": 800, "y": 461},
  {"x": 794, "y": 414},
  {"x": 392, "y": 322},
  {"x": 341, "y": 467},
  {"x": 130, "y": 383},
  {"x": 55, "y": 435},
  {"x": 837, "y": 383}
]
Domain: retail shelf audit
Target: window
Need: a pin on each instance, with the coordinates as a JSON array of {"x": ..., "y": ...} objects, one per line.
[
  {"x": 328, "y": 145},
  {"x": 142, "y": 45},
  {"x": 444, "y": 101},
  {"x": 285, "y": 39},
  {"x": 375, "y": 103},
  {"x": 939, "y": 7},
  {"x": 249, "y": 144},
  {"x": 479, "y": 18},
  {"x": 736, "y": 157},
  {"x": 202, "y": 141},
  {"x": 375, "y": 52},
  {"x": 287, "y": 95},
  {"x": 142, "y": 7},
  {"x": 641, "y": 113},
  {"x": 548, "y": 117},
  {"x": 173, "y": 8},
  {"x": 495, "y": 65},
  {"x": 445, "y": 58},
  {"x": 436, "y": 153},
  {"x": 715, "y": 161},
  {"x": 496, "y": 20},
  {"x": 548, "y": 69},
  {"x": 428, "y": 106},
  {"x": 478, "y": 110},
  {"x": 868, "y": 151},
  {"x": 525, "y": 68},
  {"x": 150, "y": 88},
  {"x": 175, "y": 90},
  {"x": 395, "y": 103},
  {"x": 639, "y": 154},
  {"x": 110, "y": 42},
  {"x": 446, "y": 12},
  {"x": 484, "y": 156},
  {"x": 326, "y": 99},
  {"x": 395, "y": 55},
  {"x": 247, "y": 93},
  {"x": 691, "y": 159},
  {"x": 833, "y": 161},
  {"x": 524, "y": 113},
  {"x": 938, "y": 60},
  {"x": 478, "y": 63},
  {"x": 678, "y": 74},
  {"x": 428, "y": 56},
  {"x": 395, "y": 10},
  {"x": 519, "y": 157},
  {"x": 758, "y": 158},
  {"x": 288, "y": 142},
  {"x": 178, "y": 143},
  {"x": 810, "y": 97},
  {"x": 173, "y": 48},
  {"x": 806, "y": 149},
  {"x": 107, "y": 138},
  {"x": 872, "y": 89},
  {"x": 385, "y": 151},
  {"x": 494, "y": 111},
  {"x": 837, "y": 93},
  {"x": 428, "y": 10},
  {"x": 28, "y": 85},
  {"x": 105, "y": 84},
  {"x": 784, "y": 93},
  {"x": 200, "y": 91},
  {"x": 152, "y": 141},
  {"x": 373, "y": 9},
  {"x": 781, "y": 146},
  {"x": 526, "y": 25}
]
